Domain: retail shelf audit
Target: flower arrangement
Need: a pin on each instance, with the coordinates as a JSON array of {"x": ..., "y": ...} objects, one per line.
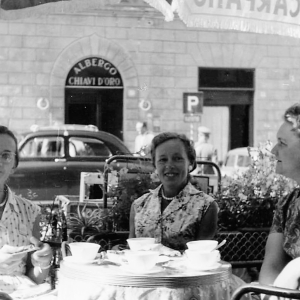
[{"x": 249, "y": 199}]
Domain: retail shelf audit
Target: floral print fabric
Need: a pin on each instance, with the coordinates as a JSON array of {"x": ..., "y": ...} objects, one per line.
[
  {"x": 179, "y": 222},
  {"x": 16, "y": 227},
  {"x": 287, "y": 221}
]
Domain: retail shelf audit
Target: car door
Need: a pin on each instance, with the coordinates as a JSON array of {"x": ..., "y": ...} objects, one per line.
[{"x": 41, "y": 171}]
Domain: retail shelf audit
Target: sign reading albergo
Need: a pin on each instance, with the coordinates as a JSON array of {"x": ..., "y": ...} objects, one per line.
[{"x": 94, "y": 71}]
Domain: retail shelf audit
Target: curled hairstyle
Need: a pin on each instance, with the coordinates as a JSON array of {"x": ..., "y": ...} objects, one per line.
[
  {"x": 166, "y": 136},
  {"x": 5, "y": 130},
  {"x": 292, "y": 116}
]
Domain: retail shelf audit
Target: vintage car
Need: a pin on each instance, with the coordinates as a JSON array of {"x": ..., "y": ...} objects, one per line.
[
  {"x": 237, "y": 161},
  {"x": 52, "y": 159}
]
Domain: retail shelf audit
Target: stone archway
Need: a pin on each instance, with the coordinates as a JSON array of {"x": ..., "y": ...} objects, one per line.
[{"x": 93, "y": 45}]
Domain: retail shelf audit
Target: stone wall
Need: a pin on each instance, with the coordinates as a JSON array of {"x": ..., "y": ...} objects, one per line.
[{"x": 36, "y": 55}]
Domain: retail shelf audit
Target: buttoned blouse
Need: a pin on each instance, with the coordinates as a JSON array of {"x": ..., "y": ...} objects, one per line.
[
  {"x": 16, "y": 227},
  {"x": 178, "y": 223}
]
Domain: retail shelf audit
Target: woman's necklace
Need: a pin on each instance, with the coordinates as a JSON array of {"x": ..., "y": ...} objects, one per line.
[{"x": 167, "y": 198}]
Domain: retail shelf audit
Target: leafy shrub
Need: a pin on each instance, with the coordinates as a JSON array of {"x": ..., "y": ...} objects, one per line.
[
  {"x": 249, "y": 199},
  {"x": 128, "y": 188}
]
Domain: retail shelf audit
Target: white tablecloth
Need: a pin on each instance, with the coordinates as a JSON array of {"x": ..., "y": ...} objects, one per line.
[
  {"x": 38, "y": 292},
  {"x": 85, "y": 282}
]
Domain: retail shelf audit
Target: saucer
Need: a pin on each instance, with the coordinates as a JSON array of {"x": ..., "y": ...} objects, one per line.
[
  {"x": 75, "y": 260},
  {"x": 163, "y": 259},
  {"x": 204, "y": 268},
  {"x": 128, "y": 268}
]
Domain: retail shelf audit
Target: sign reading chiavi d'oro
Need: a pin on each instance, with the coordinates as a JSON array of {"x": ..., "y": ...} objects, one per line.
[{"x": 96, "y": 72}]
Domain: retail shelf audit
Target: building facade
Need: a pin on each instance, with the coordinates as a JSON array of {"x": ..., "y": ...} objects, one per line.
[{"x": 124, "y": 64}]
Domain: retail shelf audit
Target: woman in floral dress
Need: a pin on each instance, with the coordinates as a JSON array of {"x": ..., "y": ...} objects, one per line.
[
  {"x": 175, "y": 212},
  {"x": 19, "y": 227},
  {"x": 283, "y": 243}
]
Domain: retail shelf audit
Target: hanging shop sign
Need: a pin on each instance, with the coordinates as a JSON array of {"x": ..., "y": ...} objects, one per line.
[
  {"x": 258, "y": 16},
  {"x": 94, "y": 72}
]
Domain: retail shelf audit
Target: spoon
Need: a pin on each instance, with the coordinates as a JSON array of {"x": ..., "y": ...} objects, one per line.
[{"x": 220, "y": 245}]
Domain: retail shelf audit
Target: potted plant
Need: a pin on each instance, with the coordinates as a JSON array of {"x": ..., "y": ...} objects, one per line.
[
  {"x": 249, "y": 199},
  {"x": 86, "y": 221},
  {"x": 127, "y": 188}
]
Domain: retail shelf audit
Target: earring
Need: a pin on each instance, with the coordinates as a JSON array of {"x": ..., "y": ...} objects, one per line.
[{"x": 190, "y": 168}]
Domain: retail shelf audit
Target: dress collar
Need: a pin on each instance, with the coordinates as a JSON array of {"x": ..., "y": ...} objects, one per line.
[{"x": 11, "y": 201}]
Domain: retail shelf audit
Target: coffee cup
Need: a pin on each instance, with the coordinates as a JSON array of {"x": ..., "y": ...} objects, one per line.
[
  {"x": 200, "y": 259},
  {"x": 203, "y": 245},
  {"x": 84, "y": 251},
  {"x": 142, "y": 243},
  {"x": 142, "y": 260}
]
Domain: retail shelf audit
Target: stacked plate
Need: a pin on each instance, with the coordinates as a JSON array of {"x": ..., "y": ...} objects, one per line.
[{"x": 158, "y": 277}]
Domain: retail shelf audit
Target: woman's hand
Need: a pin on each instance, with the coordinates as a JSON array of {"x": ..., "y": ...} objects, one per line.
[
  {"x": 42, "y": 257},
  {"x": 9, "y": 257}
]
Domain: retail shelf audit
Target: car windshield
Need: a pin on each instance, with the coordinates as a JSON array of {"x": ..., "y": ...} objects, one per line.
[{"x": 230, "y": 161}]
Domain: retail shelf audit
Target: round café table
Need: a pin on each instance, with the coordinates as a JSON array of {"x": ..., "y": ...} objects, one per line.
[{"x": 111, "y": 282}]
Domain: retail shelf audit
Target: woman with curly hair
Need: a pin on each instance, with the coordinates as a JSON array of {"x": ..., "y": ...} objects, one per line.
[{"x": 281, "y": 263}]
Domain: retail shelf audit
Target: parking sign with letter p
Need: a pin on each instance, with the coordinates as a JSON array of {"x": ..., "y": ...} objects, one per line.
[{"x": 192, "y": 103}]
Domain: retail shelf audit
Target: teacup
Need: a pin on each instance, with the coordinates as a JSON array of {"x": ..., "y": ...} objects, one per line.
[
  {"x": 136, "y": 244},
  {"x": 142, "y": 260},
  {"x": 203, "y": 245},
  {"x": 198, "y": 258},
  {"x": 84, "y": 251}
]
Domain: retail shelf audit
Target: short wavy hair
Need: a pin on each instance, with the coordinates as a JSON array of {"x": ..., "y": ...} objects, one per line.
[
  {"x": 5, "y": 130},
  {"x": 166, "y": 136},
  {"x": 292, "y": 116}
]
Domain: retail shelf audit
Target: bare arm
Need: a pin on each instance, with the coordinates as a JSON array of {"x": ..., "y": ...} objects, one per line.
[
  {"x": 275, "y": 259},
  {"x": 208, "y": 227},
  {"x": 131, "y": 222}
]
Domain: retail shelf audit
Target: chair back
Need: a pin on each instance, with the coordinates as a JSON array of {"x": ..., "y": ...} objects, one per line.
[
  {"x": 208, "y": 182},
  {"x": 265, "y": 289}
]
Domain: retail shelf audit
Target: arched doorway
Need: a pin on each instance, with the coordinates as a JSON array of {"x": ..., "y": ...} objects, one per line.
[{"x": 94, "y": 95}]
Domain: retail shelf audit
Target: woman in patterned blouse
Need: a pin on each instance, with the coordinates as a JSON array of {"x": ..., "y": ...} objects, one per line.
[
  {"x": 282, "y": 255},
  {"x": 175, "y": 212},
  {"x": 19, "y": 228}
]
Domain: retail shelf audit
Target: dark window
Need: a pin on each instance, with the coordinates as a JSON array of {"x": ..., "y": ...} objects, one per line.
[{"x": 226, "y": 78}]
